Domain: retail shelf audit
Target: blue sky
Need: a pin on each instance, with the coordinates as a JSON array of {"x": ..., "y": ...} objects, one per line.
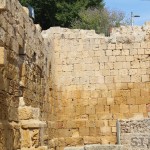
[{"x": 138, "y": 7}]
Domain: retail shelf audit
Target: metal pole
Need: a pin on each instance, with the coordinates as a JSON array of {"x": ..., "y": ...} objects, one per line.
[
  {"x": 132, "y": 21},
  {"x": 132, "y": 18},
  {"x": 118, "y": 132}
]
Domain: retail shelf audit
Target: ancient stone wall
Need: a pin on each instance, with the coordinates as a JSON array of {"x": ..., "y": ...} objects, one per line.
[
  {"x": 97, "y": 80},
  {"x": 63, "y": 87},
  {"x": 24, "y": 80}
]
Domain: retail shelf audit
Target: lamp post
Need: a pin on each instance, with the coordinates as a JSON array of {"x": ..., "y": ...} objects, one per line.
[{"x": 132, "y": 18}]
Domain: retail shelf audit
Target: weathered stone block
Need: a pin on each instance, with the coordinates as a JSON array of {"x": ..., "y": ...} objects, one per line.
[
  {"x": 90, "y": 109},
  {"x": 119, "y": 46},
  {"x": 115, "y": 109},
  {"x": 2, "y": 5},
  {"x": 105, "y": 130},
  {"x": 111, "y": 46},
  {"x": 84, "y": 131},
  {"x": 17, "y": 141},
  {"x": 25, "y": 113},
  {"x": 91, "y": 140},
  {"x": 64, "y": 133},
  {"x": 2, "y": 56},
  {"x": 33, "y": 124},
  {"x": 104, "y": 116},
  {"x": 35, "y": 113},
  {"x": 26, "y": 139},
  {"x": 35, "y": 137},
  {"x": 74, "y": 141},
  {"x": 124, "y": 108}
]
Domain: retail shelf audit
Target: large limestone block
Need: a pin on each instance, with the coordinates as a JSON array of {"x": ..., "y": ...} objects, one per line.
[
  {"x": 33, "y": 124},
  {"x": 26, "y": 138},
  {"x": 26, "y": 10},
  {"x": 38, "y": 27},
  {"x": 25, "y": 113},
  {"x": 2, "y": 59},
  {"x": 2, "y": 36},
  {"x": 74, "y": 141},
  {"x": 35, "y": 113},
  {"x": 105, "y": 130},
  {"x": 17, "y": 141},
  {"x": 2, "y": 5},
  {"x": 35, "y": 136},
  {"x": 92, "y": 140}
]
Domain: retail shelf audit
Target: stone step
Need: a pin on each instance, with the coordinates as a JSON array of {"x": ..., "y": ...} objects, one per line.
[
  {"x": 103, "y": 147},
  {"x": 39, "y": 148},
  {"x": 96, "y": 147},
  {"x": 74, "y": 148},
  {"x": 33, "y": 124}
]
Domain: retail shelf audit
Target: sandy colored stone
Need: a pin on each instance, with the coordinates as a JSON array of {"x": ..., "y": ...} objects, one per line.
[
  {"x": 26, "y": 138},
  {"x": 74, "y": 141},
  {"x": 2, "y": 58},
  {"x": 124, "y": 108},
  {"x": 25, "y": 113},
  {"x": 2, "y": 4},
  {"x": 105, "y": 130},
  {"x": 84, "y": 131}
]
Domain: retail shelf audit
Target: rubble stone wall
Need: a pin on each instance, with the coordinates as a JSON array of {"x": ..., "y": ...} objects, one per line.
[
  {"x": 24, "y": 80},
  {"x": 97, "y": 80},
  {"x": 135, "y": 134}
]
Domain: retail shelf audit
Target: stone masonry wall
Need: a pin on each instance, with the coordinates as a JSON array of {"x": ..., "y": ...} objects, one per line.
[
  {"x": 95, "y": 81},
  {"x": 24, "y": 80},
  {"x": 63, "y": 88}
]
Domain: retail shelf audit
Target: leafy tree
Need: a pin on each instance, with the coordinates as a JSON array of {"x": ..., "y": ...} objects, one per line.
[
  {"x": 68, "y": 10},
  {"x": 116, "y": 18},
  {"x": 60, "y": 12},
  {"x": 89, "y": 19},
  {"x": 101, "y": 20}
]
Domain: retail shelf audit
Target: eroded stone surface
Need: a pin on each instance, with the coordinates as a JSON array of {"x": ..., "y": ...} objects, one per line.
[
  {"x": 135, "y": 134},
  {"x": 2, "y": 59}
]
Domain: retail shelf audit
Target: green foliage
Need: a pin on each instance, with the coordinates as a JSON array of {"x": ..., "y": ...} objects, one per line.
[
  {"x": 89, "y": 19},
  {"x": 101, "y": 20},
  {"x": 68, "y": 10},
  {"x": 116, "y": 18},
  {"x": 60, "y": 12}
]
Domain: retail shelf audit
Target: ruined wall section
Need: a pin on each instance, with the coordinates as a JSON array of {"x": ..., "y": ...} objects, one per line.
[
  {"x": 135, "y": 134},
  {"x": 97, "y": 80},
  {"x": 24, "y": 80}
]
